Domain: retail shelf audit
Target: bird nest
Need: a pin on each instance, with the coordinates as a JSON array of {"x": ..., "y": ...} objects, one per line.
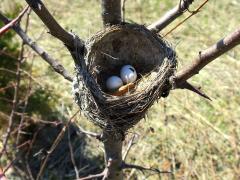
[{"x": 105, "y": 53}]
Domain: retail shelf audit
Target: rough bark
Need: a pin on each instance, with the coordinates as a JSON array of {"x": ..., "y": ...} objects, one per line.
[
  {"x": 111, "y": 12},
  {"x": 113, "y": 156}
]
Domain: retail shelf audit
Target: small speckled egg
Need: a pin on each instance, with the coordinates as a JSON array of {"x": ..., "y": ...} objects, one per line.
[{"x": 128, "y": 74}]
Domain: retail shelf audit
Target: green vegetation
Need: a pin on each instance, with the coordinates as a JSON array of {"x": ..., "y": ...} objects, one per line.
[{"x": 195, "y": 138}]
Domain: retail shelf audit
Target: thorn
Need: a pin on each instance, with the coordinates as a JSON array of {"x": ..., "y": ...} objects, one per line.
[{"x": 190, "y": 87}]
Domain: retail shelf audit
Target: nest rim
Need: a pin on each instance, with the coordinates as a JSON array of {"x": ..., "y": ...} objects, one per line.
[{"x": 103, "y": 108}]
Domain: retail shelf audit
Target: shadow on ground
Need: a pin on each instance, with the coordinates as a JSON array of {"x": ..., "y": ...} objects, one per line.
[{"x": 59, "y": 165}]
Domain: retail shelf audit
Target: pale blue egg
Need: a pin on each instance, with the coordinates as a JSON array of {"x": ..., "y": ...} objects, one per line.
[
  {"x": 113, "y": 83},
  {"x": 128, "y": 74}
]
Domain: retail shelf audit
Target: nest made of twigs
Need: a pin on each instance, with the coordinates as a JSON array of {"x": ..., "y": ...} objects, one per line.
[{"x": 106, "y": 52}]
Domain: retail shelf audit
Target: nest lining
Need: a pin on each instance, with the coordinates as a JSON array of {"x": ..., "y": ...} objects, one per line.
[{"x": 106, "y": 53}]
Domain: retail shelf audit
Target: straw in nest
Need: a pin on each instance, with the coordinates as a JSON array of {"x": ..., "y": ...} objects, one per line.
[{"x": 106, "y": 52}]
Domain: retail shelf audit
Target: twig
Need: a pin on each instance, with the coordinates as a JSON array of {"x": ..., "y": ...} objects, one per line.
[
  {"x": 170, "y": 16},
  {"x": 28, "y": 152},
  {"x": 41, "y": 52},
  {"x": 93, "y": 176},
  {"x": 103, "y": 174},
  {"x": 72, "y": 154},
  {"x": 10, "y": 85},
  {"x": 5, "y": 28},
  {"x": 15, "y": 98},
  {"x": 9, "y": 165},
  {"x": 142, "y": 169},
  {"x": 90, "y": 134},
  {"x": 190, "y": 87},
  {"x": 55, "y": 29},
  {"x": 29, "y": 87},
  {"x": 111, "y": 12},
  {"x": 208, "y": 55},
  {"x": 2, "y": 175},
  {"x": 2, "y": 52},
  {"x": 130, "y": 144},
  {"x": 123, "y": 10},
  {"x": 54, "y": 145},
  {"x": 192, "y": 13}
]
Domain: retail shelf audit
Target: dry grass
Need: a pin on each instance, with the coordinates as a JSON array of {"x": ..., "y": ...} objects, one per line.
[{"x": 195, "y": 138}]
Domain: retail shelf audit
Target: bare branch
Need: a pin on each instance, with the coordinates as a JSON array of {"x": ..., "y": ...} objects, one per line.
[
  {"x": 123, "y": 10},
  {"x": 105, "y": 174},
  {"x": 2, "y": 175},
  {"x": 170, "y": 16},
  {"x": 130, "y": 144},
  {"x": 72, "y": 154},
  {"x": 132, "y": 166},
  {"x": 188, "y": 17},
  {"x": 13, "y": 22},
  {"x": 27, "y": 40},
  {"x": 111, "y": 12},
  {"x": 55, "y": 29},
  {"x": 102, "y": 174},
  {"x": 208, "y": 55},
  {"x": 29, "y": 85},
  {"x": 54, "y": 145},
  {"x": 15, "y": 98},
  {"x": 90, "y": 134}
]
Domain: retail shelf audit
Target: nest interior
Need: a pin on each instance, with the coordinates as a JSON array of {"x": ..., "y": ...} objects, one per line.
[
  {"x": 121, "y": 46},
  {"x": 106, "y": 52}
]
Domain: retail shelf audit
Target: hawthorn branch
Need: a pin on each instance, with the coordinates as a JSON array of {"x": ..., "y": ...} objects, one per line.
[
  {"x": 130, "y": 144},
  {"x": 41, "y": 52},
  {"x": 111, "y": 12},
  {"x": 55, "y": 29},
  {"x": 98, "y": 136},
  {"x": 72, "y": 154},
  {"x": 207, "y": 56},
  {"x": 13, "y": 22},
  {"x": 188, "y": 17},
  {"x": 54, "y": 145},
  {"x": 16, "y": 89},
  {"x": 142, "y": 169},
  {"x": 170, "y": 16},
  {"x": 90, "y": 177}
]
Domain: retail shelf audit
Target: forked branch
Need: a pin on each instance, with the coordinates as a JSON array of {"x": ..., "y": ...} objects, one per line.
[
  {"x": 53, "y": 26},
  {"x": 170, "y": 16}
]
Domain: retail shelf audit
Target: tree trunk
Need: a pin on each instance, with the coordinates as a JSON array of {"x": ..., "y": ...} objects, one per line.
[
  {"x": 113, "y": 156},
  {"x": 111, "y": 12}
]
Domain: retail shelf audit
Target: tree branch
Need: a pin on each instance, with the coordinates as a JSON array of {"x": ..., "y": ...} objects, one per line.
[
  {"x": 98, "y": 136},
  {"x": 13, "y": 22},
  {"x": 170, "y": 16},
  {"x": 208, "y": 55},
  {"x": 54, "y": 145},
  {"x": 130, "y": 144},
  {"x": 41, "y": 52},
  {"x": 55, "y": 29},
  {"x": 113, "y": 155},
  {"x": 188, "y": 17},
  {"x": 132, "y": 166},
  {"x": 111, "y": 12}
]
